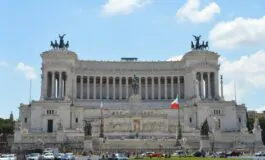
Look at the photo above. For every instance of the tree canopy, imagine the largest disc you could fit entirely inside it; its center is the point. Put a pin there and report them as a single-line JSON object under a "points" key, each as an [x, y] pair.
{"points": [[6, 126]]}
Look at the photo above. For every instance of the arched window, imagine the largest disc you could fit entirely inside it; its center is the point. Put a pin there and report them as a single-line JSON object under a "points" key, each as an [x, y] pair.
{"points": [[190, 120], [76, 120]]}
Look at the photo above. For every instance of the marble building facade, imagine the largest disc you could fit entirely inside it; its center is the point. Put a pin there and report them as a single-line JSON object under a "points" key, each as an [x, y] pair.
{"points": [[73, 90]]}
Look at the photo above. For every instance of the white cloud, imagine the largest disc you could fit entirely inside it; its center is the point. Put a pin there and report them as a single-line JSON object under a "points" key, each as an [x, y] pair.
{"points": [[241, 31], [175, 58], [248, 72], [28, 71], [123, 6], [260, 109], [191, 11], [3, 64]]}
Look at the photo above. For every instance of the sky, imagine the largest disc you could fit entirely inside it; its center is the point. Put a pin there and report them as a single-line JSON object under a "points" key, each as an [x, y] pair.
{"points": [[147, 29]]}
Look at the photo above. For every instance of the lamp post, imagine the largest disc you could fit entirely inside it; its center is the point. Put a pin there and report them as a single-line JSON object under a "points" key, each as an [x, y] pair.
{"points": [[179, 135]]}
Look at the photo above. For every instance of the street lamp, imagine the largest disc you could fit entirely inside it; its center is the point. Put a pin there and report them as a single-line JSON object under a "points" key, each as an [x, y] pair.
{"points": [[179, 136]]}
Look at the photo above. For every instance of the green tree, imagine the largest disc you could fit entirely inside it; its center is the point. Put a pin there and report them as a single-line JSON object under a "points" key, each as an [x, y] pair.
{"points": [[6, 126]]}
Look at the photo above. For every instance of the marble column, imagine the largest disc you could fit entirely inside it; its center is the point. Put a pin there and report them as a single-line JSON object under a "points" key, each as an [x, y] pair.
{"points": [[81, 87], [114, 88], [159, 88], [179, 91], [60, 84], [94, 88], [44, 85], [172, 87], [88, 86], [127, 87], [202, 85], [165, 87], [216, 84], [120, 88], [53, 84], [209, 85], [107, 82], [140, 86], [153, 87], [146, 87]]}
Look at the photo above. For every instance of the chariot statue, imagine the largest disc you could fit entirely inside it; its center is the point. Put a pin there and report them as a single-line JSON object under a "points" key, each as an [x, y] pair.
{"points": [[61, 45], [197, 45]]}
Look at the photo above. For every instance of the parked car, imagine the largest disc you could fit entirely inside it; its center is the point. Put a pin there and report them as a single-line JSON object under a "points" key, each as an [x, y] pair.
{"points": [[158, 155], [48, 156], [179, 153], [34, 156], [68, 156], [8, 157]]}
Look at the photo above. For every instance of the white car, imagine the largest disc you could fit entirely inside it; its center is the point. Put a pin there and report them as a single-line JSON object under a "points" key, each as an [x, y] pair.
{"points": [[34, 156], [48, 156], [8, 157]]}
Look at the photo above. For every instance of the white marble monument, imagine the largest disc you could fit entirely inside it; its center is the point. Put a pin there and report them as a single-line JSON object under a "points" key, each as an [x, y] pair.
{"points": [[73, 89]]}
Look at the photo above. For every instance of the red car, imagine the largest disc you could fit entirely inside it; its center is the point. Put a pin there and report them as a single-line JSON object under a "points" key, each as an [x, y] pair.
{"points": [[158, 155]]}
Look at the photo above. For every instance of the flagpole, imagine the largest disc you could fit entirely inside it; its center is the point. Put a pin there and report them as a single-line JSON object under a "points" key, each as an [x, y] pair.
{"points": [[30, 91], [179, 135], [235, 90], [101, 134]]}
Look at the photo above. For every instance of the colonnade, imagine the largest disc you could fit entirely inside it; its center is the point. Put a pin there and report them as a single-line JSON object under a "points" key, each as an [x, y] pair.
{"points": [[208, 84], [56, 84], [119, 88]]}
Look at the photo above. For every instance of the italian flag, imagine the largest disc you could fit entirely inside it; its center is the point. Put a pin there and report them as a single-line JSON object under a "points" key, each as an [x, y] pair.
{"points": [[175, 103]]}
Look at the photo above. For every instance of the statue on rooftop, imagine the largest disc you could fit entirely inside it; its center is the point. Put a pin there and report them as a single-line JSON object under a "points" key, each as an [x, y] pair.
{"points": [[61, 44], [199, 46]]}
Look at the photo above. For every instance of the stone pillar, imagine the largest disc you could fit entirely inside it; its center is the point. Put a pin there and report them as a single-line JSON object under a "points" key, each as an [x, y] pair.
{"points": [[94, 88], [127, 87], [100, 86], [60, 84], [146, 88], [179, 91], [172, 87], [222, 89], [88, 86], [120, 88], [107, 81], [159, 88], [209, 85], [165, 87], [216, 84], [153, 87], [53, 85], [114, 88], [44, 85], [81, 87], [202, 85]]}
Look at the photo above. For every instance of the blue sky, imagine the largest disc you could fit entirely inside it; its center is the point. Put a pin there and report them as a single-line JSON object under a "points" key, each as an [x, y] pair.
{"points": [[147, 29]]}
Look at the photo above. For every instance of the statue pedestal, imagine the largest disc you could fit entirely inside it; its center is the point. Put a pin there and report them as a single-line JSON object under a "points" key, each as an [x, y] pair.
{"points": [[204, 144], [60, 136], [135, 99], [87, 137], [88, 145]]}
